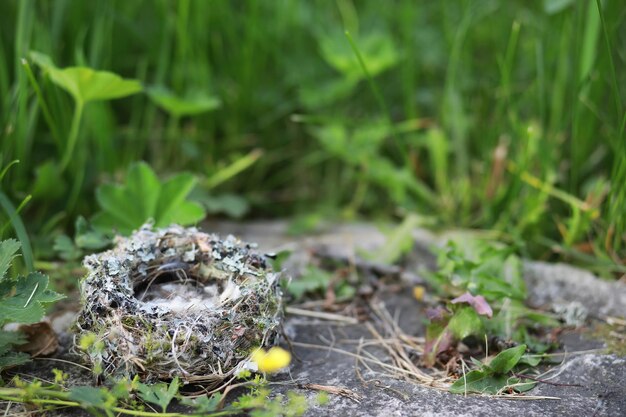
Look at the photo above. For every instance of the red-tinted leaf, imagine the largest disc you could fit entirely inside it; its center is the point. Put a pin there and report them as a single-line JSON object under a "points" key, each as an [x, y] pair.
{"points": [[477, 302], [437, 313]]}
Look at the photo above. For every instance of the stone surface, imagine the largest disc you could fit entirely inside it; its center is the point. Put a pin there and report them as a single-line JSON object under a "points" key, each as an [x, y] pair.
{"points": [[550, 284], [600, 378]]}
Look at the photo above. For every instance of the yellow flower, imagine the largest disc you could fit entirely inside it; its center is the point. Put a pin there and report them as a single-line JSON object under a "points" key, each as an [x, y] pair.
{"points": [[271, 361], [418, 292]]}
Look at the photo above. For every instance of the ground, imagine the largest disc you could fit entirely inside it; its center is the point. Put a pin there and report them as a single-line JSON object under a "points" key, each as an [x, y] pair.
{"points": [[589, 381]]}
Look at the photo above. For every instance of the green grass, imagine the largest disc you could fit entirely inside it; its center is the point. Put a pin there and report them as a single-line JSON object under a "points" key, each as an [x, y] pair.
{"points": [[500, 115]]}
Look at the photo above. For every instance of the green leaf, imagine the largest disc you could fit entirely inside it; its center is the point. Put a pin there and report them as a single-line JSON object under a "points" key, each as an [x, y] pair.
{"points": [[86, 84], [94, 399], [482, 382], [118, 209], [530, 360], [8, 339], [160, 394], [183, 106], [204, 404], [8, 250], [88, 238], [30, 298], [230, 204], [322, 93], [313, 279], [49, 183], [66, 248], [376, 48], [10, 359], [465, 322], [172, 203], [143, 197], [507, 359], [438, 339], [144, 187]]}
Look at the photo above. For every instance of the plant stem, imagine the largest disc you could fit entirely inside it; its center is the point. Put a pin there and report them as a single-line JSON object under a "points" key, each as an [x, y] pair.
{"points": [[42, 103], [18, 395], [73, 136]]}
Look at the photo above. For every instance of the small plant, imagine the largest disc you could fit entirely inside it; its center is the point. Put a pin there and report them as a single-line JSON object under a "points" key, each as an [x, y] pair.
{"points": [[22, 300], [86, 239], [85, 85], [485, 294], [144, 197], [131, 397], [494, 377]]}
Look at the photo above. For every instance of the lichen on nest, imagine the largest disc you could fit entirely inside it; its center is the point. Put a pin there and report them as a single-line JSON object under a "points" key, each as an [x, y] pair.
{"points": [[177, 302]]}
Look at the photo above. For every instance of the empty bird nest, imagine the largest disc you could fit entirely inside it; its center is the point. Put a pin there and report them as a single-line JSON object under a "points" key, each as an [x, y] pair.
{"points": [[177, 302]]}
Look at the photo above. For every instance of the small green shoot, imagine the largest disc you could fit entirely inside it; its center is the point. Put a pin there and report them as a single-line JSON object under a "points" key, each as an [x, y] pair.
{"points": [[486, 281]]}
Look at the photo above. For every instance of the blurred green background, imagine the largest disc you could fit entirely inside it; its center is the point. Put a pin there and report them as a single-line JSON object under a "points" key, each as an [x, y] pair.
{"points": [[505, 116]]}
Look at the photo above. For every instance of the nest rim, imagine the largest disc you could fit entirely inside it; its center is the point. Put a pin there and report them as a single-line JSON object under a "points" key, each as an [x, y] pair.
{"points": [[207, 345]]}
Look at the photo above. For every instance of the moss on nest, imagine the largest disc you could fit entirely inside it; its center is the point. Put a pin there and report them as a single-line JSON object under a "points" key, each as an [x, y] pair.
{"points": [[177, 302]]}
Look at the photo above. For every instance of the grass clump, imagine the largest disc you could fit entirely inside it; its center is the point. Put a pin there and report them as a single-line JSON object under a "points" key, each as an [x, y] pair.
{"points": [[499, 122]]}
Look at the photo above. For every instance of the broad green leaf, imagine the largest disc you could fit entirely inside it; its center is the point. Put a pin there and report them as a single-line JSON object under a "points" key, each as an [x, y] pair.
{"points": [[30, 298], [8, 250], [86, 84], [188, 212], [118, 210], [143, 189], [481, 381], [173, 193], [160, 394], [143, 197], [465, 322], [507, 359], [183, 106]]}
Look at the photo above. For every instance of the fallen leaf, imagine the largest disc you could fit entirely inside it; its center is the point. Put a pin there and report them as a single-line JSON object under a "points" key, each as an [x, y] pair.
{"points": [[41, 340]]}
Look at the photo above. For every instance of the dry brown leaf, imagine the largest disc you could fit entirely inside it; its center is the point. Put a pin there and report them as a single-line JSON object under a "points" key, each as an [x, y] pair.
{"points": [[41, 340]]}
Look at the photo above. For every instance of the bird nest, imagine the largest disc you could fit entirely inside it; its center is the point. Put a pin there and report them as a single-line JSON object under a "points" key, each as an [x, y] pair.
{"points": [[177, 302]]}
